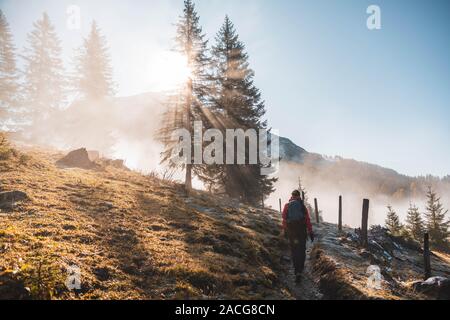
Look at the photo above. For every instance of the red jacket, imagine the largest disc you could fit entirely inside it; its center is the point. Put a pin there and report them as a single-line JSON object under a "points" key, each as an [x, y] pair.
{"points": [[307, 218]]}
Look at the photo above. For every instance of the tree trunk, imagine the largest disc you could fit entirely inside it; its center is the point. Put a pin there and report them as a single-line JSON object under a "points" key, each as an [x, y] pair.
{"points": [[188, 179]]}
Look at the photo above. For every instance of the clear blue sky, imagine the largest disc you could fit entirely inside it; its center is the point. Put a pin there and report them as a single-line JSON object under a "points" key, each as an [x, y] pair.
{"points": [[330, 84]]}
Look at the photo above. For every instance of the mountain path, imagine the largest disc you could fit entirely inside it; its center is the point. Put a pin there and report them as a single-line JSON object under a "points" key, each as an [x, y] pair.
{"points": [[305, 290]]}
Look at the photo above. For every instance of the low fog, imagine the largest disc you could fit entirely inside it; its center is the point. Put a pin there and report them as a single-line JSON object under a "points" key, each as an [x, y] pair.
{"points": [[125, 128], [119, 128], [354, 181]]}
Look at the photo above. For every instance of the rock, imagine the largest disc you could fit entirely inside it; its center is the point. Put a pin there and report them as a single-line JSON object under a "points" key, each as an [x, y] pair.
{"points": [[118, 164], [107, 205], [365, 254], [102, 273], [12, 288], [399, 255], [76, 159], [93, 155], [352, 236], [438, 287], [8, 199]]}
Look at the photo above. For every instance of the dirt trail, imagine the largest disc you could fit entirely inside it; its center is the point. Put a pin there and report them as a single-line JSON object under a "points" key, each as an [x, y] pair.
{"points": [[307, 289]]}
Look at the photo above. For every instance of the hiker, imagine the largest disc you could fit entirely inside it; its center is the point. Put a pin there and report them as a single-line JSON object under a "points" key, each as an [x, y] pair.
{"points": [[297, 226]]}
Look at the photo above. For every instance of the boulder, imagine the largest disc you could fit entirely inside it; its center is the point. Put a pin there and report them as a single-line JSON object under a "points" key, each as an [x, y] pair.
{"points": [[118, 163], [438, 287], [93, 155], [76, 159], [12, 288], [8, 199]]}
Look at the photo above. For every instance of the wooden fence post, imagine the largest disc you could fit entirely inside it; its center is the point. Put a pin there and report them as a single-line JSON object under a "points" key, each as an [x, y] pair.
{"points": [[340, 214], [365, 223], [426, 255], [316, 207], [280, 206]]}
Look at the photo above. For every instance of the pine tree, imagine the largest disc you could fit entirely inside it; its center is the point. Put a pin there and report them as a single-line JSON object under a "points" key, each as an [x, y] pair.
{"points": [[189, 105], [44, 72], [414, 223], [393, 222], [9, 74], [238, 104], [302, 189], [93, 79], [435, 218]]}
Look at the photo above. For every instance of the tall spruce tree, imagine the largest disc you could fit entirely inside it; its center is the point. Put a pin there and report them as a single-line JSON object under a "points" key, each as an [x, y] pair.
{"points": [[414, 223], [238, 104], [435, 219], [93, 79], [44, 85], [189, 104], [393, 222], [9, 74]]}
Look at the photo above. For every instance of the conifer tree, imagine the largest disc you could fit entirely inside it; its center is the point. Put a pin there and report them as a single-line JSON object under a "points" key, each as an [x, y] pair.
{"points": [[9, 74], [237, 104], [44, 72], [188, 105], [435, 219], [414, 223], [393, 222], [93, 79]]}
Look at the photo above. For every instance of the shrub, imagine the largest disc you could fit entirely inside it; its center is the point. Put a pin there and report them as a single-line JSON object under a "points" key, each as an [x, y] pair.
{"points": [[43, 276], [5, 149]]}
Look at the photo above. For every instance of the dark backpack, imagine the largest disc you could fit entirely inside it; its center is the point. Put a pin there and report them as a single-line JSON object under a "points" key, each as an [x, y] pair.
{"points": [[296, 211]]}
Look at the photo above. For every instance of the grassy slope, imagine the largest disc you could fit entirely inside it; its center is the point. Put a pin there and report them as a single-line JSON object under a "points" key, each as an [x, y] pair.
{"points": [[136, 237], [341, 268], [132, 236]]}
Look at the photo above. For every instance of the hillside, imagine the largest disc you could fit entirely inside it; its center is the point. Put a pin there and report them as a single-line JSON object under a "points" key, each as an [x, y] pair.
{"points": [[348, 172], [138, 237], [133, 237], [113, 136]]}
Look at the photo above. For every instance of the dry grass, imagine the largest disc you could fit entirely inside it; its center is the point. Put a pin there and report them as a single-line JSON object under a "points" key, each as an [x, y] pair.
{"points": [[342, 272], [335, 283], [133, 237]]}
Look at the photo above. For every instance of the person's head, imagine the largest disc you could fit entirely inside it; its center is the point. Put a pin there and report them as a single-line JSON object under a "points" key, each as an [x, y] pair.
{"points": [[296, 194]]}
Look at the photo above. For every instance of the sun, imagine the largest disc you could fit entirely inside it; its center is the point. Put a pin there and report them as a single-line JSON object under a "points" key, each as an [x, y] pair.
{"points": [[169, 70]]}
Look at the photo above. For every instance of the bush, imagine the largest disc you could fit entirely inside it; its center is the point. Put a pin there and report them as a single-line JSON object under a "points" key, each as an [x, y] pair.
{"points": [[24, 159], [6, 151], [43, 276]]}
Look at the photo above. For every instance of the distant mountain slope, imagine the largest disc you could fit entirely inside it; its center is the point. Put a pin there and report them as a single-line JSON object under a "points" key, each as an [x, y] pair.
{"points": [[326, 178]]}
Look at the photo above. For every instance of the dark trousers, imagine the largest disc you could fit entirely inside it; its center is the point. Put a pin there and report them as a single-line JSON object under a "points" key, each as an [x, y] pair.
{"points": [[297, 239]]}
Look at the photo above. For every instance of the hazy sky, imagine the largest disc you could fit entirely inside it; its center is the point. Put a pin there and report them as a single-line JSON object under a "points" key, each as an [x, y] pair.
{"points": [[331, 85]]}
